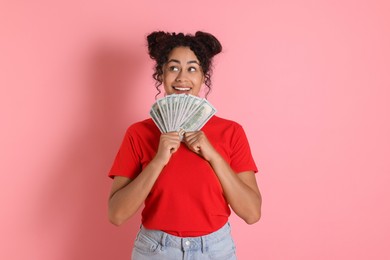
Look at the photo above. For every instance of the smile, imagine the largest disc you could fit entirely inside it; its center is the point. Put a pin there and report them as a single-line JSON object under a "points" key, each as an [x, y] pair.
{"points": [[181, 88]]}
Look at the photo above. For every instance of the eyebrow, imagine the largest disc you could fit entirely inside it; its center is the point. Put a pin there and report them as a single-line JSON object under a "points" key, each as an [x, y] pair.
{"points": [[189, 62]]}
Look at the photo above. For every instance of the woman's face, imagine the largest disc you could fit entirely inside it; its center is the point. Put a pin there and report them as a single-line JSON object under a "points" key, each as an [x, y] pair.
{"points": [[182, 73]]}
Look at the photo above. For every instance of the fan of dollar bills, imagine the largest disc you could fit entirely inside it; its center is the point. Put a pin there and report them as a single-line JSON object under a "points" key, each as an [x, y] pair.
{"points": [[181, 113]]}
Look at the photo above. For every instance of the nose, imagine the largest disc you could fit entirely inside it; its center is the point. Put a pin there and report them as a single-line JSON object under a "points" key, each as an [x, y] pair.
{"points": [[181, 76]]}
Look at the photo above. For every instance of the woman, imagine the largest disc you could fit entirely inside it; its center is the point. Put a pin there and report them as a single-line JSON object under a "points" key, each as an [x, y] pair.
{"points": [[187, 186]]}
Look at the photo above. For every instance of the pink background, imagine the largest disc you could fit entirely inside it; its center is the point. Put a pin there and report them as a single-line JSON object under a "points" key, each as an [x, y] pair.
{"points": [[308, 80]]}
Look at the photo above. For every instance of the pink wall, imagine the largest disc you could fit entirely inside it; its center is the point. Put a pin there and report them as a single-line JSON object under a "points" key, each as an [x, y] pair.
{"points": [[309, 80]]}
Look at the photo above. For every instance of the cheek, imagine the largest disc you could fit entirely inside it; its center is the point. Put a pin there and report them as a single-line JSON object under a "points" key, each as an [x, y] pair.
{"points": [[200, 80], [167, 79]]}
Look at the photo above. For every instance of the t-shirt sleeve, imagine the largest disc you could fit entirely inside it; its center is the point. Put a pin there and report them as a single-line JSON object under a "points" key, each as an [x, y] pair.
{"points": [[127, 162], [241, 156]]}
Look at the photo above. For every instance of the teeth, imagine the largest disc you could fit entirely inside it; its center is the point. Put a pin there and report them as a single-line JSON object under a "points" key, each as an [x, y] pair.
{"points": [[182, 89]]}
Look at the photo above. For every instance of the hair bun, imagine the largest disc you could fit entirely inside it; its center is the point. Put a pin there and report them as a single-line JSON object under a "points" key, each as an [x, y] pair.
{"points": [[154, 41], [210, 42]]}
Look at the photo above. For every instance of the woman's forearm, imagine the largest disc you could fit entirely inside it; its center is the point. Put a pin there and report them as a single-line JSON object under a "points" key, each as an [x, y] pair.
{"points": [[126, 200], [127, 196], [240, 190]]}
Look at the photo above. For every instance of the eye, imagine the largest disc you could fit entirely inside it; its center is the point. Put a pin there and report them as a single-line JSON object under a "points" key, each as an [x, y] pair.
{"points": [[173, 68], [192, 69]]}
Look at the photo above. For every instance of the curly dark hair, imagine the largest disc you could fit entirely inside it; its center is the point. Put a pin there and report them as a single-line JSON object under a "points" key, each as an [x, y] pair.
{"points": [[204, 45]]}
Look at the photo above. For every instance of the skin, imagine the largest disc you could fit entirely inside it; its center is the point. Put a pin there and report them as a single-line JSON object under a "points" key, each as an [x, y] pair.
{"points": [[183, 74], [182, 71]]}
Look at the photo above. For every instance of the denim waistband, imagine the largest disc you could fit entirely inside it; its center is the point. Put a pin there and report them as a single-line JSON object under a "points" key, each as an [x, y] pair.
{"points": [[187, 243]]}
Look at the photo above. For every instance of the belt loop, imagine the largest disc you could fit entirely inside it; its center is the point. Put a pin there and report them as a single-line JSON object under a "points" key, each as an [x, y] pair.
{"points": [[163, 240], [139, 231], [204, 246]]}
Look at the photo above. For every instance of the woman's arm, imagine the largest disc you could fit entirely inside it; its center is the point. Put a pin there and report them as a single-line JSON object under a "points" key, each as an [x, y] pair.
{"points": [[128, 195], [240, 190]]}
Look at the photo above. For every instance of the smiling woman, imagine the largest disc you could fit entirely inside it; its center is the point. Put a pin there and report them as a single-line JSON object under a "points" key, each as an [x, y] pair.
{"points": [[187, 186], [182, 73], [165, 48]]}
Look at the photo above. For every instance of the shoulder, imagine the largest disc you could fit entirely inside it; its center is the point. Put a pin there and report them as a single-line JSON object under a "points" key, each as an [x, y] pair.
{"points": [[219, 122], [146, 123], [143, 127], [218, 127]]}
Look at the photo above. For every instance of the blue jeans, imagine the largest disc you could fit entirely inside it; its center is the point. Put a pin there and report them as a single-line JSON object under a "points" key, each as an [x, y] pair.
{"points": [[158, 245]]}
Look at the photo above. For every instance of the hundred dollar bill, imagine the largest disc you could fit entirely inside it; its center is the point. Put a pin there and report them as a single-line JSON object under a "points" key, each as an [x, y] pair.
{"points": [[157, 119], [163, 107], [199, 118], [181, 112]]}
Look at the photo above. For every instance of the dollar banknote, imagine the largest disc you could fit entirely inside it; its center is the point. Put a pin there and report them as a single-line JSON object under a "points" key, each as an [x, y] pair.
{"points": [[181, 113]]}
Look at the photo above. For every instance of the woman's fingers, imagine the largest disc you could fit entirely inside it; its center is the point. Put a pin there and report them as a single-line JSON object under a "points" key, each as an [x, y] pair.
{"points": [[171, 141], [191, 137], [199, 144], [194, 140], [169, 144]]}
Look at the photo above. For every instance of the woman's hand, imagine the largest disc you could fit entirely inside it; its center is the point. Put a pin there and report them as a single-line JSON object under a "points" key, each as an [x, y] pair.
{"points": [[199, 144], [169, 144]]}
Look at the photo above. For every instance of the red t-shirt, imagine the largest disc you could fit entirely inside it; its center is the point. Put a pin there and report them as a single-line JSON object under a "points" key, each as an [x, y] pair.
{"points": [[187, 199]]}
